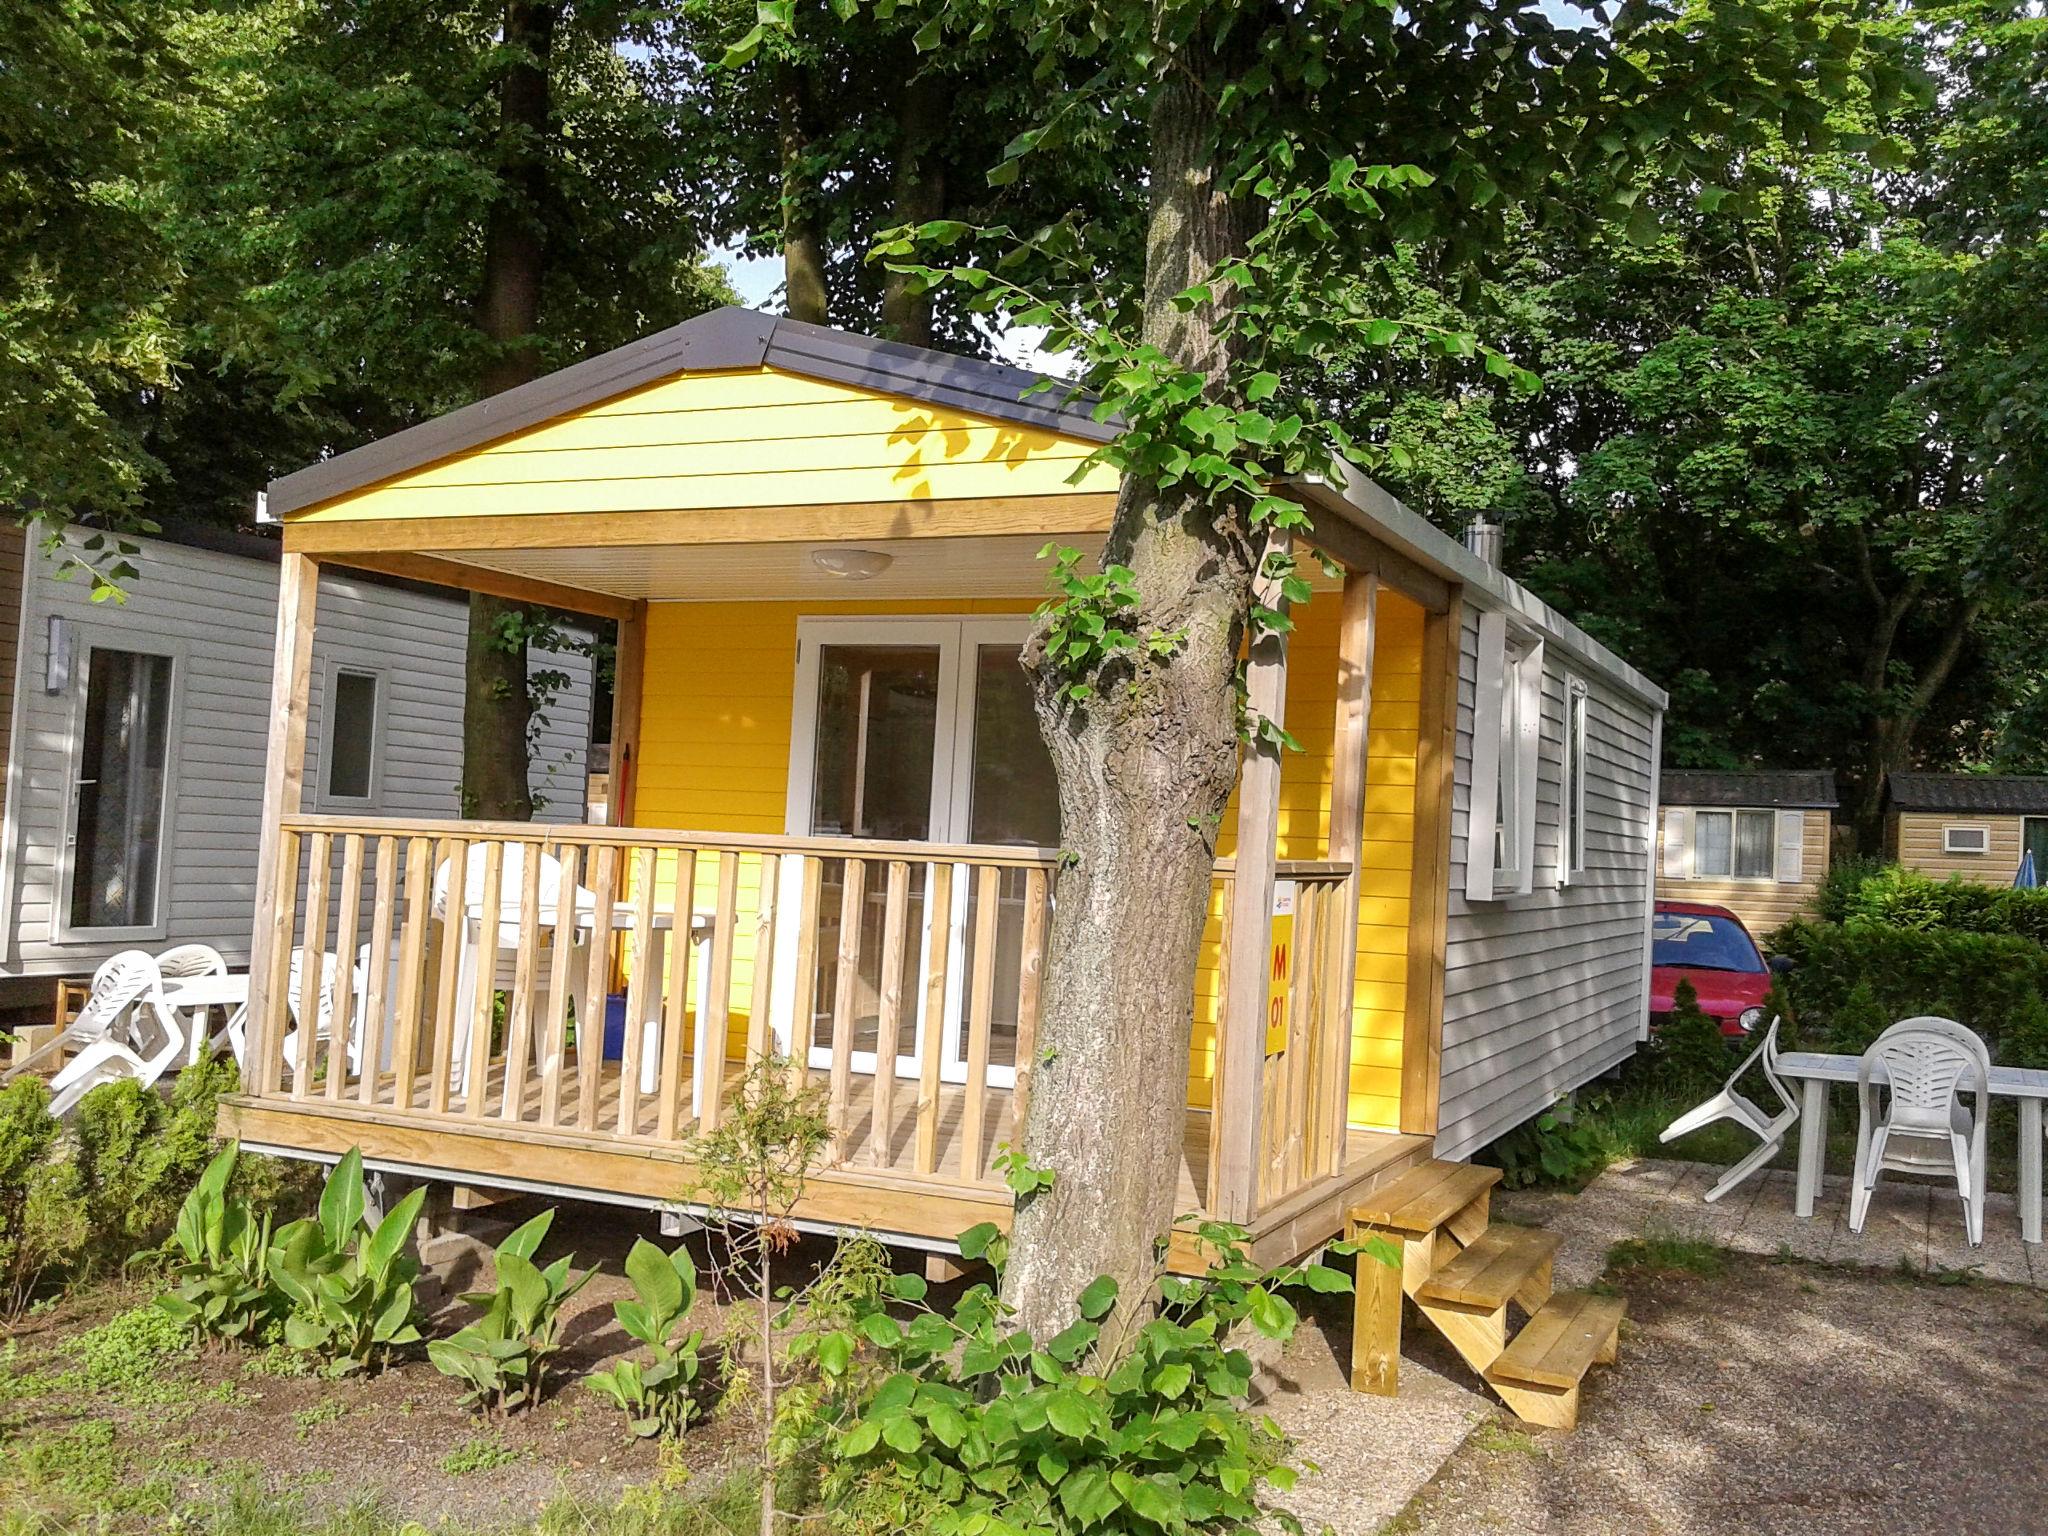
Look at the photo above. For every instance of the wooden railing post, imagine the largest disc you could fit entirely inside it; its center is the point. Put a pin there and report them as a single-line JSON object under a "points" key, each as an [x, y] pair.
{"points": [[283, 782], [1241, 1026]]}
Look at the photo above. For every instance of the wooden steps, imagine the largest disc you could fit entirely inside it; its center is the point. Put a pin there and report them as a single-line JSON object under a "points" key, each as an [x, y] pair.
{"points": [[1538, 1375], [1507, 1264], [1463, 1274]]}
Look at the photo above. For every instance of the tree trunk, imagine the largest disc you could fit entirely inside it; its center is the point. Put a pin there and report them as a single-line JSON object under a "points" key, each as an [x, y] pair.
{"points": [[919, 194], [1888, 742], [803, 248], [1144, 769], [496, 707]]}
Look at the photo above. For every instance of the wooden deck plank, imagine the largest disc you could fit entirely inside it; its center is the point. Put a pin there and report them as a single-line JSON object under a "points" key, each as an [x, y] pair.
{"points": [[1487, 1275], [1426, 1197]]}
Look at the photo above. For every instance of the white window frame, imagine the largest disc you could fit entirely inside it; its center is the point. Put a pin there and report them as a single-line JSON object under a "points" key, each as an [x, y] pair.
{"points": [[1949, 844], [1680, 855], [62, 929], [1573, 763], [331, 683], [956, 638], [1507, 733]]}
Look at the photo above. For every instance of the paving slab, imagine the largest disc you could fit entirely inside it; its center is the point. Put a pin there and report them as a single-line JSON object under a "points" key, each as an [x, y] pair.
{"points": [[1912, 1223]]}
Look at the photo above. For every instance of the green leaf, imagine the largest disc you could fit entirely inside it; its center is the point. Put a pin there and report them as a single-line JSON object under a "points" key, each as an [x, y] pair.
{"points": [[974, 1242], [901, 1433], [1067, 1411], [861, 1439], [1098, 1298], [1172, 1380]]}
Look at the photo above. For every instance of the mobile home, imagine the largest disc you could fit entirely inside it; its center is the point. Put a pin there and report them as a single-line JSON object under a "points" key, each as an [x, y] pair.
{"points": [[1756, 842], [834, 833], [1974, 826]]}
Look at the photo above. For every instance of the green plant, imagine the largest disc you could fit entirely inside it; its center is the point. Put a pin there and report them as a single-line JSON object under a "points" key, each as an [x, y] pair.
{"points": [[965, 1423], [124, 1357], [1557, 1147], [757, 1161], [655, 1398], [42, 1219], [222, 1287], [1667, 1252], [1691, 1057], [1982, 979], [503, 1355], [348, 1288], [478, 1455], [138, 1155]]}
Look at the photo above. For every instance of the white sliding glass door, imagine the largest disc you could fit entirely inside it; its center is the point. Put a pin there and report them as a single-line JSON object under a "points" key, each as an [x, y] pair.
{"points": [[919, 730]]}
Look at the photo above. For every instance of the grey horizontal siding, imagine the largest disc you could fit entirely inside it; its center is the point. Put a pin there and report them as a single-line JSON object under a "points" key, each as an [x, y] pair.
{"points": [[216, 615], [1544, 992]]}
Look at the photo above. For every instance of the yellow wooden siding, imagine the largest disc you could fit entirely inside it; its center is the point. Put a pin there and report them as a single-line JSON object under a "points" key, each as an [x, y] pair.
{"points": [[1379, 997], [755, 437], [1919, 847], [1763, 905], [715, 751]]}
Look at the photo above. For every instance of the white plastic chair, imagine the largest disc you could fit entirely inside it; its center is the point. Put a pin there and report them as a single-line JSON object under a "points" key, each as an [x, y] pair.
{"points": [[122, 981], [467, 930], [1924, 1127], [1731, 1104], [130, 1032], [323, 1006], [189, 960]]}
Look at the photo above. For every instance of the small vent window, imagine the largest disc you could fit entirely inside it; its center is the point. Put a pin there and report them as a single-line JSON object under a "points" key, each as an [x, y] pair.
{"points": [[1965, 839]]}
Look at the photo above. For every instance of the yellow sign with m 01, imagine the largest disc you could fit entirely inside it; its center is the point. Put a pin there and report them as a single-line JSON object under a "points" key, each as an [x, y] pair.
{"points": [[1279, 966]]}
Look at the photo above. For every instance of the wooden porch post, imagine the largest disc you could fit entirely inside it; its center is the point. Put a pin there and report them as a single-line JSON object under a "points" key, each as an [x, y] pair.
{"points": [[283, 785], [1348, 758], [1430, 892], [1241, 1025], [629, 686]]}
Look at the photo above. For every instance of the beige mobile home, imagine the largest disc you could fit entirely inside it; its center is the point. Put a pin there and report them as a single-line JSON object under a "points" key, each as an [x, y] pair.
{"points": [[1754, 842], [1976, 826]]}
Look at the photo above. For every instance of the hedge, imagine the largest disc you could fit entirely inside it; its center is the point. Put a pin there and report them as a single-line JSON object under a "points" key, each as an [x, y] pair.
{"points": [[1850, 980], [1900, 898]]}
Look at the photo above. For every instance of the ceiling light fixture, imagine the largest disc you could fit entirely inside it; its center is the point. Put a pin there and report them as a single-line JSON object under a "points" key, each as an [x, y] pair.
{"points": [[852, 564]]}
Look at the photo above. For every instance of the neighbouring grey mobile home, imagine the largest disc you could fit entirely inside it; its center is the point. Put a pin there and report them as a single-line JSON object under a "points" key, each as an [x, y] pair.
{"points": [[134, 736]]}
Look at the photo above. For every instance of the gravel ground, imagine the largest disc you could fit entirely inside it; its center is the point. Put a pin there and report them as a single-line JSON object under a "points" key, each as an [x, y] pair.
{"points": [[1778, 1397]]}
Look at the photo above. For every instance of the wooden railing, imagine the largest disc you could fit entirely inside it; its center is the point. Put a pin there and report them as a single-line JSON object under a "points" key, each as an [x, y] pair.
{"points": [[636, 974]]}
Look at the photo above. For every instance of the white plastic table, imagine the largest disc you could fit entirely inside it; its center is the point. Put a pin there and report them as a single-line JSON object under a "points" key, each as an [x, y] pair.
{"points": [[193, 997], [1818, 1071]]}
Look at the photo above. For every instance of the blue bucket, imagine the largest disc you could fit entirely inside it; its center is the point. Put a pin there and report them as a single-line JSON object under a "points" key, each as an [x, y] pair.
{"points": [[615, 1027]]}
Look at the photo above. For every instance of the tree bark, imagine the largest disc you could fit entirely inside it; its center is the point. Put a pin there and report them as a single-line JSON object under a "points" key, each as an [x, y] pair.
{"points": [[1888, 747], [919, 195], [803, 247], [1144, 769], [496, 707]]}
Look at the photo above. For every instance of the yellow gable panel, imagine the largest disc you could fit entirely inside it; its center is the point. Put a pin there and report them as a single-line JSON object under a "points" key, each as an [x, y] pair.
{"points": [[749, 437]]}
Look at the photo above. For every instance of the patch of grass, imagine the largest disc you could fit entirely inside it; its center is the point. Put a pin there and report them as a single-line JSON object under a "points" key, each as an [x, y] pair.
{"points": [[327, 1412], [124, 1358], [480, 1454], [1666, 1253], [1501, 1438], [278, 1361]]}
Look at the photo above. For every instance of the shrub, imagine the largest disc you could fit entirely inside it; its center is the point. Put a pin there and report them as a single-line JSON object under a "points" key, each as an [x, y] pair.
{"points": [[503, 1355], [966, 1423], [1870, 892], [137, 1156], [348, 1289], [655, 1398], [223, 1288], [42, 1219], [1557, 1147], [1842, 970], [1691, 1057]]}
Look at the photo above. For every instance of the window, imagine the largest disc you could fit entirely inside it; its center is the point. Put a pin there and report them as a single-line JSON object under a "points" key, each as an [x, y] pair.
{"points": [[352, 735], [1701, 941], [121, 779], [1965, 839], [1507, 725], [1571, 842], [1703, 843]]}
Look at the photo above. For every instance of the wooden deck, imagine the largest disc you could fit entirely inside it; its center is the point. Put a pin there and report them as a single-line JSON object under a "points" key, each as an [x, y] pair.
{"points": [[869, 1184]]}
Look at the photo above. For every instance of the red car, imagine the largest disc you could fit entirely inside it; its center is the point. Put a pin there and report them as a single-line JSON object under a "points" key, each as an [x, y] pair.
{"points": [[1709, 947]]}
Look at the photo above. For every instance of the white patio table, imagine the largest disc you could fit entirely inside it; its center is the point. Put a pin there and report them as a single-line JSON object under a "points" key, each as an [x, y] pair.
{"points": [[1818, 1071], [193, 997]]}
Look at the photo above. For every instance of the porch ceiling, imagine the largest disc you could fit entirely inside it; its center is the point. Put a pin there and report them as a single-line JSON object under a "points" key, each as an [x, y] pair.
{"points": [[994, 566]]}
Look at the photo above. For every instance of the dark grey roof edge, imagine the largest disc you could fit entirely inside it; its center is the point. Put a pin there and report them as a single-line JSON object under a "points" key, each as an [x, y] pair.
{"points": [[722, 338], [1982, 794], [1790, 789]]}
